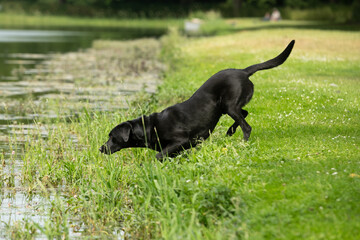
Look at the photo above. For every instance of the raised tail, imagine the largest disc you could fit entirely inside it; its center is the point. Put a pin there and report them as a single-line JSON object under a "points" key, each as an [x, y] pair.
{"points": [[271, 63]]}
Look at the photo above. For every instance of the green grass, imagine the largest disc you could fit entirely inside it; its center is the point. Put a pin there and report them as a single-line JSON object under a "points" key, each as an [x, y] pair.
{"points": [[48, 21], [297, 177], [333, 13]]}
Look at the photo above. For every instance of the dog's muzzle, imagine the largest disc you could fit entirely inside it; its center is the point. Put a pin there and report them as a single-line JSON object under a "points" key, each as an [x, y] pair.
{"points": [[104, 149]]}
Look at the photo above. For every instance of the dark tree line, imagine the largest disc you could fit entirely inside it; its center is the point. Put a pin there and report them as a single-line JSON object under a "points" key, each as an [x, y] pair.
{"points": [[191, 3], [168, 8]]}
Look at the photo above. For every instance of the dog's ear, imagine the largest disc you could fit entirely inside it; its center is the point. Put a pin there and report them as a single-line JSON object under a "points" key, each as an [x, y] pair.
{"points": [[122, 132], [139, 133], [138, 129]]}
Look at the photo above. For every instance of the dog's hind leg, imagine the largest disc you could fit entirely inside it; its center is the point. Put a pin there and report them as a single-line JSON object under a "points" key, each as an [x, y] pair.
{"points": [[239, 119], [233, 127]]}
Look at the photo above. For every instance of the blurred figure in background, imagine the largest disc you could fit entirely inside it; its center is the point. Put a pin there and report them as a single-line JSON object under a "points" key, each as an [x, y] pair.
{"points": [[267, 16], [275, 15]]}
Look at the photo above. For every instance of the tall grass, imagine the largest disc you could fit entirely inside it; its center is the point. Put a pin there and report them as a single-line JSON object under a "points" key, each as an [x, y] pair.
{"points": [[297, 177]]}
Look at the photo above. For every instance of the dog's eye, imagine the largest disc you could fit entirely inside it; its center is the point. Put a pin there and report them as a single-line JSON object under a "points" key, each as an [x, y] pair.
{"points": [[113, 139]]}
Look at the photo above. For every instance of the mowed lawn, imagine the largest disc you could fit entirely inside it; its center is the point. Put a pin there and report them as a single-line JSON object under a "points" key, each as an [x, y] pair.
{"points": [[298, 177]]}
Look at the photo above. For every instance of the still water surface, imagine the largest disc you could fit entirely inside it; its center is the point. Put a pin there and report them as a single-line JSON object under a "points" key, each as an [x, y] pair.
{"points": [[24, 49]]}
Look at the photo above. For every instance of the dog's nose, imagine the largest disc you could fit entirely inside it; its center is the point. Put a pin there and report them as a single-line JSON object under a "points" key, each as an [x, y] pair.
{"points": [[104, 149], [101, 149]]}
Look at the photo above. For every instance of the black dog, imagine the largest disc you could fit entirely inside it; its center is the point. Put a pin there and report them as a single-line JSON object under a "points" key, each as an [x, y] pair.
{"points": [[182, 125]]}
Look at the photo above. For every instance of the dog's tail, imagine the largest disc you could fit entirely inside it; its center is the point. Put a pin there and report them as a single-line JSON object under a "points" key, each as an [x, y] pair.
{"points": [[271, 63]]}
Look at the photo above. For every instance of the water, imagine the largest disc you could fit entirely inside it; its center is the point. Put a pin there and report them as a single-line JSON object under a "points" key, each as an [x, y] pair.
{"points": [[31, 73], [21, 51]]}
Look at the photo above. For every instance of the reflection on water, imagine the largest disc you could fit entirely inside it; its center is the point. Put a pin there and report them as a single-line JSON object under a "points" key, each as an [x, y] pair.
{"points": [[16, 36], [33, 76], [28, 47]]}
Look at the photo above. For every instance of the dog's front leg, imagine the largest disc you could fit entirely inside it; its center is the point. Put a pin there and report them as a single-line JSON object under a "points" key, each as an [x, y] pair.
{"points": [[170, 150]]}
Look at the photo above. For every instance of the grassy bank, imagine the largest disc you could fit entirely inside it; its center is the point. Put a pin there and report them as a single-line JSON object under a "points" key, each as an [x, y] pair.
{"points": [[47, 21], [297, 178]]}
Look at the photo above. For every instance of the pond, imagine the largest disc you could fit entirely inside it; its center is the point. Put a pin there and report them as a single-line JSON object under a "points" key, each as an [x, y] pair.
{"points": [[32, 71], [24, 49]]}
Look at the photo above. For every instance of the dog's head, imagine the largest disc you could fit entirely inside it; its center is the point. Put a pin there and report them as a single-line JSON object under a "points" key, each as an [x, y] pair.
{"points": [[118, 139]]}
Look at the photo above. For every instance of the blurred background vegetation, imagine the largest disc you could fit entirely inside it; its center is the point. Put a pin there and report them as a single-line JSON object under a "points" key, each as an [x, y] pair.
{"points": [[330, 10]]}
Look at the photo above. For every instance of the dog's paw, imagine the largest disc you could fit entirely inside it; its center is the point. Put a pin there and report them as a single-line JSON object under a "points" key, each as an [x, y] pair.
{"points": [[160, 156], [230, 132], [247, 136]]}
